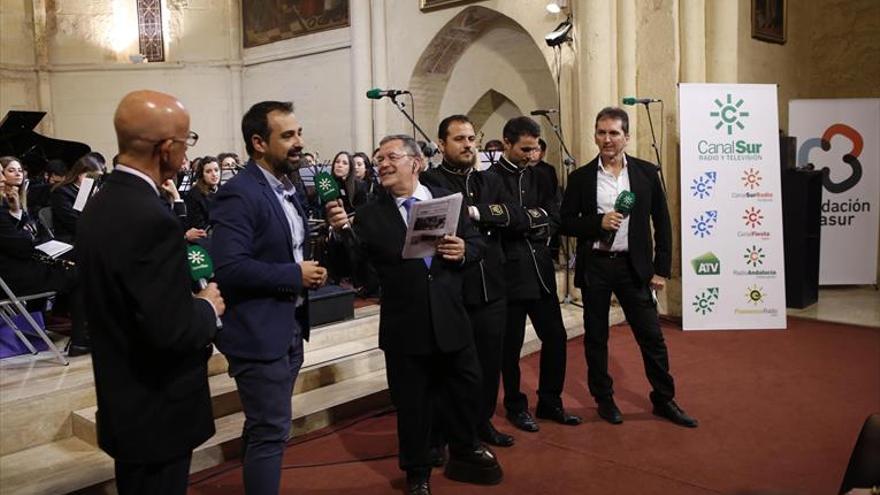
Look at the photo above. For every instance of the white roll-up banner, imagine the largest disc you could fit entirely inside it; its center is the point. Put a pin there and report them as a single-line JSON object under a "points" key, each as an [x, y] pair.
{"points": [[733, 265]]}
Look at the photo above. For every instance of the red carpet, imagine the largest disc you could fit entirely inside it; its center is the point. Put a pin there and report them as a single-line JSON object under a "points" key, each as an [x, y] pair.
{"points": [[779, 413]]}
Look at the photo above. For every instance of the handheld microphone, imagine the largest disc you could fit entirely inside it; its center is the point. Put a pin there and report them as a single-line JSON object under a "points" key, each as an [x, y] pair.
{"points": [[378, 94], [326, 187], [201, 268], [328, 190], [544, 112], [632, 100], [623, 205]]}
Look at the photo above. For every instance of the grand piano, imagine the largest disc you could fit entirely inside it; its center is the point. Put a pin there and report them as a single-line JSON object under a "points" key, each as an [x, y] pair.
{"points": [[18, 139]]}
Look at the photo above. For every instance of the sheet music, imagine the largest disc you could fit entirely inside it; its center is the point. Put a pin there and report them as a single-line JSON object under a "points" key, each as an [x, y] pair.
{"points": [[85, 191], [54, 248]]}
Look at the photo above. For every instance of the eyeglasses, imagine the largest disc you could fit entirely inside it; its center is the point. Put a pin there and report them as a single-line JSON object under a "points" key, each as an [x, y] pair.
{"points": [[190, 140], [392, 158]]}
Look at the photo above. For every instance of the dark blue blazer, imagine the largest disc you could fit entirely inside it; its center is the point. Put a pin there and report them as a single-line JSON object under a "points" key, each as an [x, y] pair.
{"points": [[255, 269]]}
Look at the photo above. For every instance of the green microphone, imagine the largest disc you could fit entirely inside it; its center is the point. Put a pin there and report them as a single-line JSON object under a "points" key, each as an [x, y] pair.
{"points": [[623, 205], [201, 268], [326, 187], [328, 190]]}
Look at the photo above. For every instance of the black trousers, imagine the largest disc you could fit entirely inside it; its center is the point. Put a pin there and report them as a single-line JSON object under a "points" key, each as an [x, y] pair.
{"points": [[448, 383], [546, 317], [488, 322], [604, 276], [167, 478]]}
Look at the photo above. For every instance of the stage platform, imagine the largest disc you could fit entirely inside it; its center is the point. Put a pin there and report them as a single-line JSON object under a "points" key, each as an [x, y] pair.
{"points": [[47, 411]]}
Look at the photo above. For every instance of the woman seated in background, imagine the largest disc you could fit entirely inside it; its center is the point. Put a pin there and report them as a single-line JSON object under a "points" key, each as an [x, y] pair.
{"points": [[64, 194], [230, 164], [27, 270], [352, 193], [199, 198], [14, 200], [366, 175]]}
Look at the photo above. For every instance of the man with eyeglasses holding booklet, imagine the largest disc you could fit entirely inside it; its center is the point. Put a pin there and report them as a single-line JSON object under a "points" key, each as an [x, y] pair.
{"points": [[424, 328]]}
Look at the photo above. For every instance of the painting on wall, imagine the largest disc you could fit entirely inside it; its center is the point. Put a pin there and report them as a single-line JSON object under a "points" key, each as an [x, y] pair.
{"points": [[267, 21], [427, 5], [768, 20]]}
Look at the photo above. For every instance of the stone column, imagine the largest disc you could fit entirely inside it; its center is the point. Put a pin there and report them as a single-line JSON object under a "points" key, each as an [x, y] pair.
{"points": [[235, 78], [361, 77], [721, 41], [626, 61], [596, 68], [692, 33], [41, 63], [380, 69]]}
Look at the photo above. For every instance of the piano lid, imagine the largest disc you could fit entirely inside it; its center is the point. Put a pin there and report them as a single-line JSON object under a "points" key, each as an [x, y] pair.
{"points": [[18, 139]]}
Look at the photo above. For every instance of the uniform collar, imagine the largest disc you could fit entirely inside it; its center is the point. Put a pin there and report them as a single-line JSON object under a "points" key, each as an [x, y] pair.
{"points": [[445, 167], [510, 167]]}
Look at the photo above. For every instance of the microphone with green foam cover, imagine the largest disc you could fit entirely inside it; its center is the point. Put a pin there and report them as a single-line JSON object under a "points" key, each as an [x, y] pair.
{"points": [[328, 190], [325, 185], [624, 204], [201, 268]]}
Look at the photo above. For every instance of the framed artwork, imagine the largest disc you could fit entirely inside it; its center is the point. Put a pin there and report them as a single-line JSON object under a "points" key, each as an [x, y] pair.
{"points": [[427, 5], [768, 20], [267, 21]]}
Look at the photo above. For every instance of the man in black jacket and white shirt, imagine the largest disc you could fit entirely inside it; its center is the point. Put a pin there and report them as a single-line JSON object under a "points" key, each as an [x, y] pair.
{"points": [[615, 254]]}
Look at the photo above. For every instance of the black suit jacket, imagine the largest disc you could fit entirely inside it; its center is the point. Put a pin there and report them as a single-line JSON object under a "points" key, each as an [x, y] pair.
{"points": [[149, 335], [421, 310], [198, 206], [580, 218]]}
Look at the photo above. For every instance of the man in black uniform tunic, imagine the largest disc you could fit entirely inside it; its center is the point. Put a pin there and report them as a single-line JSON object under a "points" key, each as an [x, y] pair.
{"points": [[484, 292], [527, 215]]}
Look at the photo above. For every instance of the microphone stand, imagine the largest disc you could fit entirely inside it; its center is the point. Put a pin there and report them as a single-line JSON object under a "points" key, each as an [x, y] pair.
{"points": [[568, 162], [431, 147], [654, 144]]}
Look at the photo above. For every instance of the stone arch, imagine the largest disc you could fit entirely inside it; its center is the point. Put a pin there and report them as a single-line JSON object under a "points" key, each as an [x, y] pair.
{"points": [[488, 110], [479, 57]]}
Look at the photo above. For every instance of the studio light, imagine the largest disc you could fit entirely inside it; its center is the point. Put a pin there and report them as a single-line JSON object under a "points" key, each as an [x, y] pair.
{"points": [[559, 35]]}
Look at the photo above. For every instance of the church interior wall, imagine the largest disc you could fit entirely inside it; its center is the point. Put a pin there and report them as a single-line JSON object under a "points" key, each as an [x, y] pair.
{"points": [[70, 58], [18, 81], [501, 61], [319, 85]]}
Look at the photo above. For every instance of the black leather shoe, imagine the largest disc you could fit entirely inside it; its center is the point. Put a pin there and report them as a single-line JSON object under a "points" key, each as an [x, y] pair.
{"points": [[478, 466], [559, 415], [438, 456], [490, 435], [523, 420], [418, 486], [74, 350], [672, 412], [609, 412]]}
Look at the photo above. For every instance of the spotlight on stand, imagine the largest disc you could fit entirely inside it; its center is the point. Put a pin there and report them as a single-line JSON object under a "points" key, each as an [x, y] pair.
{"points": [[556, 6], [559, 35]]}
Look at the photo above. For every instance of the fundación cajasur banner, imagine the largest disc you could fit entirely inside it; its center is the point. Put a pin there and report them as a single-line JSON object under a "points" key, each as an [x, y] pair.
{"points": [[843, 136], [733, 266]]}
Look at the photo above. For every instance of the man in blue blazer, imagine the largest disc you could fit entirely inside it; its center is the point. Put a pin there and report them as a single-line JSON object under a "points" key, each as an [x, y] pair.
{"points": [[260, 249]]}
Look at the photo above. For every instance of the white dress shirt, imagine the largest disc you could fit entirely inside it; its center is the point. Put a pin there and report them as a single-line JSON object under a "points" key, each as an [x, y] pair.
{"points": [[608, 187], [421, 193]]}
